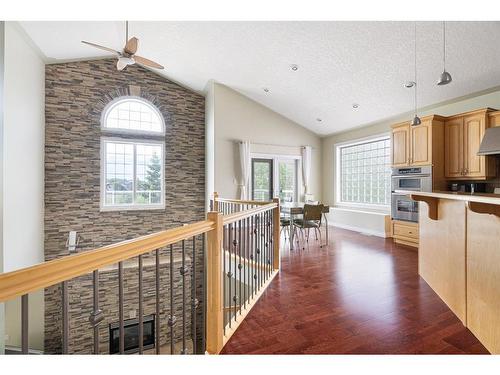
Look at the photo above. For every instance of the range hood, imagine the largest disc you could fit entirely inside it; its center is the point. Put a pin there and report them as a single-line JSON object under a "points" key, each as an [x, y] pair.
{"points": [[490, 145]]}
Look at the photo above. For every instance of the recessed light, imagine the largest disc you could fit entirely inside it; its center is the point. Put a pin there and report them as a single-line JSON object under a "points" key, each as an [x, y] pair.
{"points": [[294, 67], [319, 120], [265, 89], [409, 84], [355, 105]]}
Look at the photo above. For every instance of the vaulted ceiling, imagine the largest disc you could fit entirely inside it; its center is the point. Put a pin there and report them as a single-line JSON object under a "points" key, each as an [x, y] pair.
{"points": [[339, 63]]}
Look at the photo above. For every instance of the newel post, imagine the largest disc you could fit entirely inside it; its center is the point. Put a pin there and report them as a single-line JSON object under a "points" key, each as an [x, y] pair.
{"points": [[215, 318], [276, 234]]}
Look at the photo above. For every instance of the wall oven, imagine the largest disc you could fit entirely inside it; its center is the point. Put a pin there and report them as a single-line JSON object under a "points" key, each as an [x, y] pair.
{"points": [[413, 179]]}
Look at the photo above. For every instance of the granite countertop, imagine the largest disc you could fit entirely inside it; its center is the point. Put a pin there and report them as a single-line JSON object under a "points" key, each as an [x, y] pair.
{"points": [[456, 195]]}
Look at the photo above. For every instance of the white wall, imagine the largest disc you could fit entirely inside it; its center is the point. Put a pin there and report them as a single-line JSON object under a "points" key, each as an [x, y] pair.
{"points": [[237, 118], [2, 305], [209, 143], [23, 146]]}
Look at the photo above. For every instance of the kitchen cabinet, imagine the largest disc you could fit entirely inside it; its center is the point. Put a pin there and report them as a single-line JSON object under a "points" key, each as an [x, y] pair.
{"points": [[405, 232], [400, 145], [417, 145], [454, 148], [494, 118], [463, 136]]}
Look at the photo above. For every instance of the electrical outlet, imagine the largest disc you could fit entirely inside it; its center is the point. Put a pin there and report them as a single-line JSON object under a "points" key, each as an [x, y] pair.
{"points": [[132, 314], [7, 337]]}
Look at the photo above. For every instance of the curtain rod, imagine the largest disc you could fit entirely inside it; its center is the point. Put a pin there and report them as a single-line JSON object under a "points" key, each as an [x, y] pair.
{"points": [[276, 145]]}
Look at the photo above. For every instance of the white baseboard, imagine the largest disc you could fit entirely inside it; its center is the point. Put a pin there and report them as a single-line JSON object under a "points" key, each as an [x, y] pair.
{"points": [[359, 229]]}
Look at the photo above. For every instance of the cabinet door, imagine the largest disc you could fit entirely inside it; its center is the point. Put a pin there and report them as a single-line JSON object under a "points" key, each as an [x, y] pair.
{"points": [[421, 144], [400, 145], [474, 128], [453, 148]]}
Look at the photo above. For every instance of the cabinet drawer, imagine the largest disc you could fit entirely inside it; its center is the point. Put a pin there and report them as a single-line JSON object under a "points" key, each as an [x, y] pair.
{"points": [[404, 230]]}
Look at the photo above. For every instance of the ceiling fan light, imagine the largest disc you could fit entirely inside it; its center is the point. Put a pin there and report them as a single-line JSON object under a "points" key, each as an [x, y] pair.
{"points": [[123, 61], [416, 121], [444, 79]]}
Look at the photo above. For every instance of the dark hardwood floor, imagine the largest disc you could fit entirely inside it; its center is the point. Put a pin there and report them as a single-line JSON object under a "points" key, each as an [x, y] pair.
{"points": [[360, 295]]}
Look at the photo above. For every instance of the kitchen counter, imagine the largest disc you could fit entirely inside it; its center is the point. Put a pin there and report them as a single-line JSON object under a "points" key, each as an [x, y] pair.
{"points": [[456, 195], [459, 257]]}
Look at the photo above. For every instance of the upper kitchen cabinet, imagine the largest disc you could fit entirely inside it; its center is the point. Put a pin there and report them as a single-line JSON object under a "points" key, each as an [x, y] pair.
{"points": [[416, 145], [463, 135], [494, 118], [400, 145]]}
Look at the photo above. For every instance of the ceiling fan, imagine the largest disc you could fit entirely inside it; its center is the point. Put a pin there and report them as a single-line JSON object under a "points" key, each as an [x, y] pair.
{"points": [[127, 56]]}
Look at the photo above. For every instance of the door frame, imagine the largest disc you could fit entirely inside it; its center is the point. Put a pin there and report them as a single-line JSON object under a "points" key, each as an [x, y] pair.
{"points": [[275, 169]]}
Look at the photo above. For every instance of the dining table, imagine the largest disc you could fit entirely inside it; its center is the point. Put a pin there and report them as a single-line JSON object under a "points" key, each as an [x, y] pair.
{"points": [[294, 209]]}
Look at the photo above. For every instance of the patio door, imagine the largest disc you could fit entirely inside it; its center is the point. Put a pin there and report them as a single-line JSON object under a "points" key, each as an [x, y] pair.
{"points": [[287, 179], [262, 179], [275, 176]]}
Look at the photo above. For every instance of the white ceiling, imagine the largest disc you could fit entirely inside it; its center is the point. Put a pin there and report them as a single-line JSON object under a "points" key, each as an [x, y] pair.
{"points": [[340, 63]]}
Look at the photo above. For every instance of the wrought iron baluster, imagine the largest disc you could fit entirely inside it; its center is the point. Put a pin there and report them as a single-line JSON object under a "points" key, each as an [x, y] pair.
{"points": [[229, 274], [235, 244], [263, 246], [245, 262], [141, 308], [65, 324], [224, 289], [183, 271], [171, 318], [96, 316], [194, 301], [24, 323], [157, 302], [267, 243], [252, 255], [120, 308], [240, 266]]}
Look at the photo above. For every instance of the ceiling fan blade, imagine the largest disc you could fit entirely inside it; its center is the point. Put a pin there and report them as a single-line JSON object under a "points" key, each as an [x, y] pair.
{"points": [[131, 46], [101, 47], [144, 61]]}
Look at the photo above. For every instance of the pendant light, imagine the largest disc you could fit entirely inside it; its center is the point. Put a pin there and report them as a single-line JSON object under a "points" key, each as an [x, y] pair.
{"points": [[416, 120], [445, 77]]}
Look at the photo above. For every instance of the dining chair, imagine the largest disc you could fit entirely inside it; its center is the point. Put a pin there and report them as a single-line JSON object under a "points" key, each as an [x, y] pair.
{"points": [[312, 217], [284, 225]]}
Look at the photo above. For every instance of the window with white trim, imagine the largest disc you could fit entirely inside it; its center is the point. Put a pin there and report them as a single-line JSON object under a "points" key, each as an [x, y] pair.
{"points": [[132, 170], [364, 172]]}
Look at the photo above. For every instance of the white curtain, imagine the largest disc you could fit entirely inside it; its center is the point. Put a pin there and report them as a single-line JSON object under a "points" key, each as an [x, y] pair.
{"points": [[244, 147], [306, 167]]}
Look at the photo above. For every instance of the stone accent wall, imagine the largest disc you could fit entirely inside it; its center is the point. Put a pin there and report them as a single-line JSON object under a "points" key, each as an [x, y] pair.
{"points": [[76, 94]]}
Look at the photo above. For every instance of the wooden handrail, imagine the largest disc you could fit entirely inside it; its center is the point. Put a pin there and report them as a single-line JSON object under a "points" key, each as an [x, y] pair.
{"points": [[231, 218], [239, 201], [30, 279]]}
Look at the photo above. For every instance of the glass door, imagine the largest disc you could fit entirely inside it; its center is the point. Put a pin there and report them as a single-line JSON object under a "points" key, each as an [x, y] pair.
{"points": [[287, 180], [262, 179]]}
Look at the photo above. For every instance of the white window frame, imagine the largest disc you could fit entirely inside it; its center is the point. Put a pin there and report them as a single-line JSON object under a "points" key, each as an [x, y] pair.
{"points": [[133, 206], [276, 159], [117, 101], [337, 173]]}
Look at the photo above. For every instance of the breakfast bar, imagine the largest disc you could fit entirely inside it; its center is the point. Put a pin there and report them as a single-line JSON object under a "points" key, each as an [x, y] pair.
{"points": [[459, 257]]}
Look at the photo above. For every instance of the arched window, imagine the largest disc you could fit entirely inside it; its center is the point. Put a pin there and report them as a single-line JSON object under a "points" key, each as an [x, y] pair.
{"points": [[132, 175], [133, 114]]}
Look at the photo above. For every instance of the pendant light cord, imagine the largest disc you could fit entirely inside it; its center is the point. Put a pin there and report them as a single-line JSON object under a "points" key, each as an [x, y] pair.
{"points": [[126, 32], [444, 45], [415, 68]]}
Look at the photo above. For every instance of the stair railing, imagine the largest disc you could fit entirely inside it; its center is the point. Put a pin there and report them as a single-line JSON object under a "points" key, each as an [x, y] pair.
{"points": [[237, 276]]}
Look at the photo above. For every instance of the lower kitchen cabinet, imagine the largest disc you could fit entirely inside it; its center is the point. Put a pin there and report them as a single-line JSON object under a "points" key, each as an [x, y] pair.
{"points": [[483, 278], [405, 233]]}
